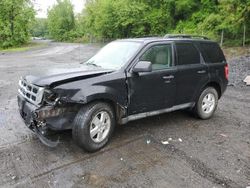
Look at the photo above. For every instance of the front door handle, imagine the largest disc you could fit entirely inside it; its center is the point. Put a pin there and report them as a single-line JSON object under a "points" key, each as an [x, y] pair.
{"points": [[201, 71], [168, 77]]}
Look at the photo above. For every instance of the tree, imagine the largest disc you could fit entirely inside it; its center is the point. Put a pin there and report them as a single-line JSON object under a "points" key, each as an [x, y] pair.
{"points": [[230, 19], [136, 18], [61, 20], [126, 18], [16, 17], [40, 28]]}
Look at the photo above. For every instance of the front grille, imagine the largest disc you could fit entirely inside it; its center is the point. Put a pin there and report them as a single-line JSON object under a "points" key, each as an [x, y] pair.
{"points": [[30, 92]]}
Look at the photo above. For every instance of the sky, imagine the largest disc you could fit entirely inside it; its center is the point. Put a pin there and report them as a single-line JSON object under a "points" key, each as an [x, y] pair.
{"points": [[42, 5]]}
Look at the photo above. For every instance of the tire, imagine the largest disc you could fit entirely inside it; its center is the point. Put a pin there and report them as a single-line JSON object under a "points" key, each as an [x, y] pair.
{"points": [[204, 109], [89, 119]]}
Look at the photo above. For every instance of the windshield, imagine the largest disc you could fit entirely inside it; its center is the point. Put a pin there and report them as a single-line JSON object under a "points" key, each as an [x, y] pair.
{"points": [[114, 55]]}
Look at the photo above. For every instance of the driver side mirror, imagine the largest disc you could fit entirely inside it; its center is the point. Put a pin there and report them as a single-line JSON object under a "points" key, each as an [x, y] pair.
{"points": [[143, 66]]}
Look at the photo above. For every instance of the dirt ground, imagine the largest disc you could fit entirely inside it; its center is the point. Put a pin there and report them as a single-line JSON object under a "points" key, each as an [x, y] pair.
{"points": [[211, 153]]}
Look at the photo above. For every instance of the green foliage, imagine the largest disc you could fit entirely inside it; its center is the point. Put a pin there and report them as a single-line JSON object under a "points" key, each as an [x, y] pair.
{"points": [[39, 27], [61, 20], [125, 18], [136, 18], [111, 19], [16, 17], [214, 17]]}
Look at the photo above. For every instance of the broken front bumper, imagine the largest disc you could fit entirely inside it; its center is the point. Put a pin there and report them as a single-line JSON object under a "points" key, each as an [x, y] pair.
{"points": [[41, 119], [27, 111]]}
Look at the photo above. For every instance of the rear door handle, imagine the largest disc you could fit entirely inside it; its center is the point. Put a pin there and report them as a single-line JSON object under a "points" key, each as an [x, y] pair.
{"points": [[201, 71], [168, 77]]}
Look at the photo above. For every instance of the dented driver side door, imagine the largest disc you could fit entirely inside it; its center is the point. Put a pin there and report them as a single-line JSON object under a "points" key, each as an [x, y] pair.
{"points": [[155, 90]]}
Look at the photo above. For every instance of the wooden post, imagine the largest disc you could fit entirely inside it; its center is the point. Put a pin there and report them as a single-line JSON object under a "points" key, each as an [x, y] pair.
{"points": [[222, 38], [244, 35]]}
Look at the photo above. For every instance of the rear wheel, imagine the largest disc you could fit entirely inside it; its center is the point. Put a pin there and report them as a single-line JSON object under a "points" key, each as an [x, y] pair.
{"points": [[93, 126], [207, 103]]}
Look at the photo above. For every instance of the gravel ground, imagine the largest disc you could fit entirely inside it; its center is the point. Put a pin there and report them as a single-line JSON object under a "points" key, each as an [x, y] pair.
{"points": [[239, 69], [211, 153]]}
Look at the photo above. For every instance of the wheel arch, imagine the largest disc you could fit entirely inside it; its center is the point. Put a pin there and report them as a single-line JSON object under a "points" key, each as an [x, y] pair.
{"points": [[216, 86], [213, 84], [119, 110]]}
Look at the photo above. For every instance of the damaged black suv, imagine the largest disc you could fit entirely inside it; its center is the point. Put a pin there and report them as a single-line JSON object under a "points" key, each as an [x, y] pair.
{"points": [[126, 80]]}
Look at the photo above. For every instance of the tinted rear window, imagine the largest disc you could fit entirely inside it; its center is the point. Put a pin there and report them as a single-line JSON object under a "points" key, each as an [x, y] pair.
{"points": [[187, 54], [212, 52]]}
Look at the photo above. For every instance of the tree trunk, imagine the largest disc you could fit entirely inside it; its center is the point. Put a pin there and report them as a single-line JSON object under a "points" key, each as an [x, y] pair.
{"points": [[12, 21], [222, 38], [244, 35]]}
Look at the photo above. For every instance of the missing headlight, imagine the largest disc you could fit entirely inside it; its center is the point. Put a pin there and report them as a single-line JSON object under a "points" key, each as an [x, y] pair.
{"points": [[50, 97]]}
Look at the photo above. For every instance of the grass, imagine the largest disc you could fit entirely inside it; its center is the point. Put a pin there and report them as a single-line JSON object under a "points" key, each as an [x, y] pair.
{"points": [[24, 47]]}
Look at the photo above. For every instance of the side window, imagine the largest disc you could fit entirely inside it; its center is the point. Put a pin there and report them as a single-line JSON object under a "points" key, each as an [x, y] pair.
{"points": [[160, 56], [187, 54], [211, 52]]}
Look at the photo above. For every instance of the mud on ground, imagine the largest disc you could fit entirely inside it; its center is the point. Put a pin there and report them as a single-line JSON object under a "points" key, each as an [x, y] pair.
{"points": [[211, 153]]}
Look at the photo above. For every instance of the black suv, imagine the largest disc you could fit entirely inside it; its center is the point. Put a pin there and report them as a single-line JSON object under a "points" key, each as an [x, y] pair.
{"points": [[126, 80]]}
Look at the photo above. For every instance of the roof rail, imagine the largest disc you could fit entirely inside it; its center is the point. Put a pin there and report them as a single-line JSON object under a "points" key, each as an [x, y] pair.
{"points": [[185, 36]]}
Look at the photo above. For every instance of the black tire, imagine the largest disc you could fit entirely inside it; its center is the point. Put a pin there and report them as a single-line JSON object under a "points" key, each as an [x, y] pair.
{"points": [[81, 126], [199, 112]]}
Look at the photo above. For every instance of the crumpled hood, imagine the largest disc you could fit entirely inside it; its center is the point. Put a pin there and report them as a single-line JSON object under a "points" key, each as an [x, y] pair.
{"points": [[62, 76]]}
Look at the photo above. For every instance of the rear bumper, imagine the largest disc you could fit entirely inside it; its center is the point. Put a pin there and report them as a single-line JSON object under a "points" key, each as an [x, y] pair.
{"points": [[224, 86]]}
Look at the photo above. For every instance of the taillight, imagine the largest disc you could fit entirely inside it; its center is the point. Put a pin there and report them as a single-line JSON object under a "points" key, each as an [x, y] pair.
{"points": [[226, 71]]}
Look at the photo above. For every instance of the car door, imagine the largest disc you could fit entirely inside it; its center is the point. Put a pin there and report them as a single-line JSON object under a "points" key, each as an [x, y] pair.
{"points": [[150, 91], [192, 73]]}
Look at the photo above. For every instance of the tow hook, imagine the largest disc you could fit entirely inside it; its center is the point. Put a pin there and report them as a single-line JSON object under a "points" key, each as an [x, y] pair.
{"points": [[45, 140]]}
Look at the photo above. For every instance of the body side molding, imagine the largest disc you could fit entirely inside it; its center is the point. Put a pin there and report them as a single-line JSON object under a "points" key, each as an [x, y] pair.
{"points": [[157, 112]]}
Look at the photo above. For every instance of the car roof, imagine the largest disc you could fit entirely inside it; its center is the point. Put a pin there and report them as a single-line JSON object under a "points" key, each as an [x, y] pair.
{"points": [[160, 39]]}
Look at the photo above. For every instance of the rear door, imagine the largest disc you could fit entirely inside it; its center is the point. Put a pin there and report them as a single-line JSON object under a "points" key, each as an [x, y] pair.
{"points": [[216, 62], [192, 72]]}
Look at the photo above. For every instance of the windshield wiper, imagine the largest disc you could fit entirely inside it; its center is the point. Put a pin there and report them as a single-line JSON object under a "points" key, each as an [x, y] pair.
{"points": [[93, 64]]}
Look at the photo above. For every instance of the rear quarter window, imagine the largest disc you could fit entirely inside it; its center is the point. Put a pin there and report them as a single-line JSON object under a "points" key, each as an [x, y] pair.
{"points": [[211, 52], [187, 54]]}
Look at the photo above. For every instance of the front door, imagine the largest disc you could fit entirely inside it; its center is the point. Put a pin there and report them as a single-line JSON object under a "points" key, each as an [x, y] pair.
{"points": [[150, 91]]}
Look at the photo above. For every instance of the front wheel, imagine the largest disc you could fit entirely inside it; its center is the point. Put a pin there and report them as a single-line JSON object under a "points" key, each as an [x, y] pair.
{"points": [[207, 103], [93, 126]]}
